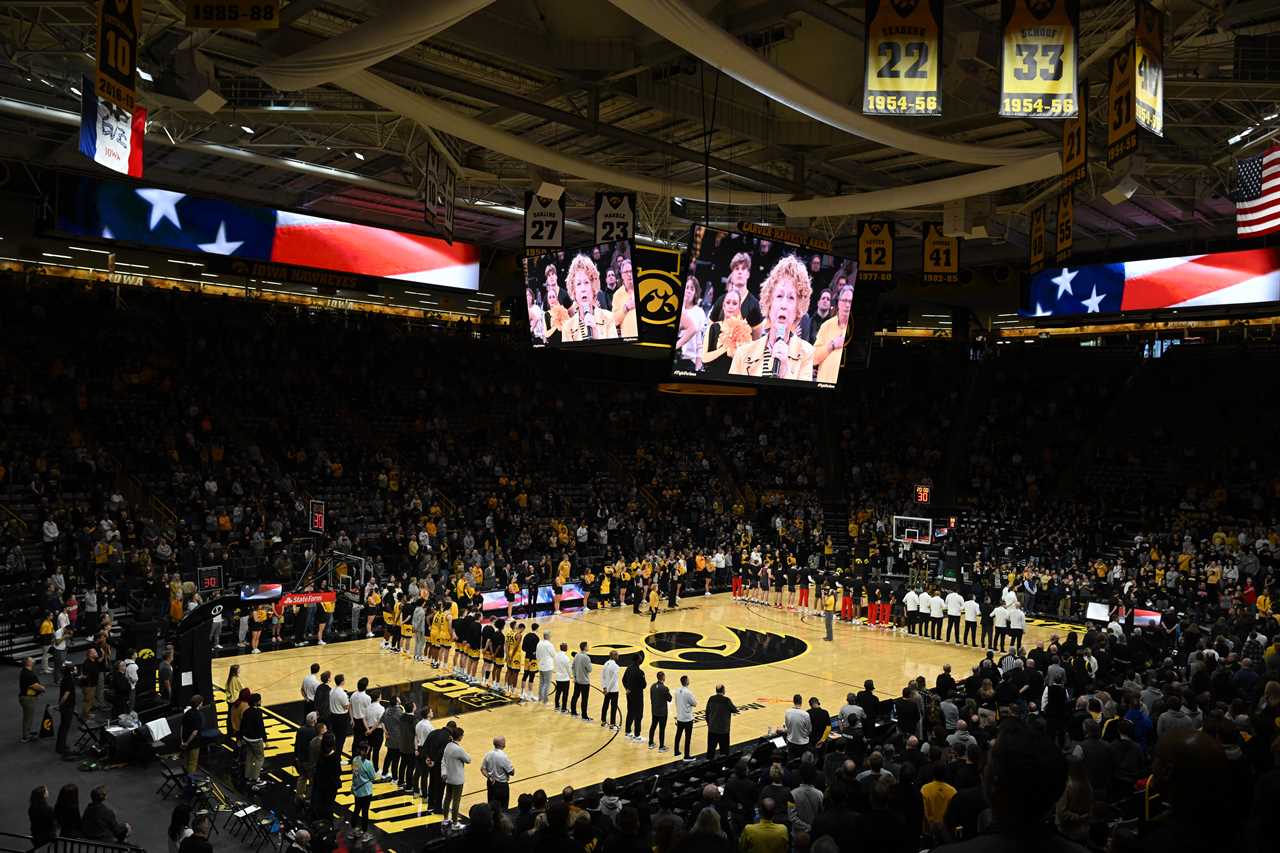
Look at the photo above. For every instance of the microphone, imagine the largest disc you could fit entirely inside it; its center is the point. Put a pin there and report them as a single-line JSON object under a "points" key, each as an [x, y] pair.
{"points": [[776, 334]]}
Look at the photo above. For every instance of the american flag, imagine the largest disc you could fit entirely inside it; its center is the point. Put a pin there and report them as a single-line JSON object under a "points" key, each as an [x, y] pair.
{"points": [[159, 218], [1257, 194], [1191, 281]]}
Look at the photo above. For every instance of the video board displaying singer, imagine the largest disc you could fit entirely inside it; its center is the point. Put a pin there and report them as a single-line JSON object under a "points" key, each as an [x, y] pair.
{"points": [[581, 296], [758, 311]]}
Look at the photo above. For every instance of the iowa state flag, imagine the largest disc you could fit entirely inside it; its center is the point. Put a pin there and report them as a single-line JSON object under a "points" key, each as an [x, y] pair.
{"points": [[108, 135]]}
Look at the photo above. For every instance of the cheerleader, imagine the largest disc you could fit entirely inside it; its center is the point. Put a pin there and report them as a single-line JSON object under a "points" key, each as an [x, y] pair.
{"points": [[512, 592], [557, 584], [260, 616], [588, 583], [372, 598], [724, 336]]}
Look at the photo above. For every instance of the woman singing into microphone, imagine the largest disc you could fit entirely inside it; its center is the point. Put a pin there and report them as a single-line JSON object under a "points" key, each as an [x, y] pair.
{"points": [[780, 352], [587, 321], [828, 349]]}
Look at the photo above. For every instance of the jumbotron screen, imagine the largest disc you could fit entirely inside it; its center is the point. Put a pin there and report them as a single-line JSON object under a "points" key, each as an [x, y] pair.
{"points": [[1214, 281], [157, 218], [763, 312], [581, 296]]}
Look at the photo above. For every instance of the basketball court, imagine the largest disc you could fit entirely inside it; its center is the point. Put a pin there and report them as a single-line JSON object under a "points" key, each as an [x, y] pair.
{"points": [[763, 655]]}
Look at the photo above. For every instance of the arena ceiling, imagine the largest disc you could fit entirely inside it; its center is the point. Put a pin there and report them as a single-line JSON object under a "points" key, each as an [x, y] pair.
{"points": [[585, 79]]}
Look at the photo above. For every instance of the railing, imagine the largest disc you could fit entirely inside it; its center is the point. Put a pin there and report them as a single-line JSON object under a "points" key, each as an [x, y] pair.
{"points": [[22, 525], [14, 843]]}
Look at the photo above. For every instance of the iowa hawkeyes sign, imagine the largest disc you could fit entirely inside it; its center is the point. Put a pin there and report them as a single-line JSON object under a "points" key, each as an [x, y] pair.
{"points": [[728, 648], [658, 289]]}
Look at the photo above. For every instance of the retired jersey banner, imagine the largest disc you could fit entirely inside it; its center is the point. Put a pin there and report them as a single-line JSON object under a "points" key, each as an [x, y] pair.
{"points": [[1036, 234], [1075, 143], [234, 14], [615, 216], [1038, 56], [543, 222], [904, 58], [875, 250], [1148, 108], [1122, 125], [117, 60], [941, 263], [1065, 228]]}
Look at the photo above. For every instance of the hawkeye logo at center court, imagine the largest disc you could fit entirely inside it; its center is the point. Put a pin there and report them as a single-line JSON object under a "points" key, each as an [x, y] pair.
{"points": [[742, 647]]}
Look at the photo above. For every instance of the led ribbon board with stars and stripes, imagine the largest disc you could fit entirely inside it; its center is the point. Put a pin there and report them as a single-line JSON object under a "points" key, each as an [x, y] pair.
{"points": [[1217, 280], [152, 217]]}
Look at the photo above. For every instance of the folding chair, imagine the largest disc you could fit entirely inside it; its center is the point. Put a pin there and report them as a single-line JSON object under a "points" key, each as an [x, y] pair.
{"points": [[240, 822], [175, 778], [91, 735]]}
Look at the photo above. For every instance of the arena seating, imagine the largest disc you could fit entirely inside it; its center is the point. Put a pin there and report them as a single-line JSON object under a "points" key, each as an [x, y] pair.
{"points": [[204, 435]]}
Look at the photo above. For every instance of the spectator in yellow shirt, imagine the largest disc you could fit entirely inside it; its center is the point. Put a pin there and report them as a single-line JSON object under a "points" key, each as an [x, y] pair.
{"points": [[765, 836]]}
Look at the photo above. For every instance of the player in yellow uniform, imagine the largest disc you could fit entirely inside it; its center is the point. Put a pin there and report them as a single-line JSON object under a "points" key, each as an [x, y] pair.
{"points": [[440, 626], [497, 652], [515, 655], [406, 629], [654, 602], [389, 627]]}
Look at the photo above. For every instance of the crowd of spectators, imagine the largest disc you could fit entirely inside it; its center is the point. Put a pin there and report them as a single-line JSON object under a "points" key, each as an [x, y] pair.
{"points": [[434, 457]]}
